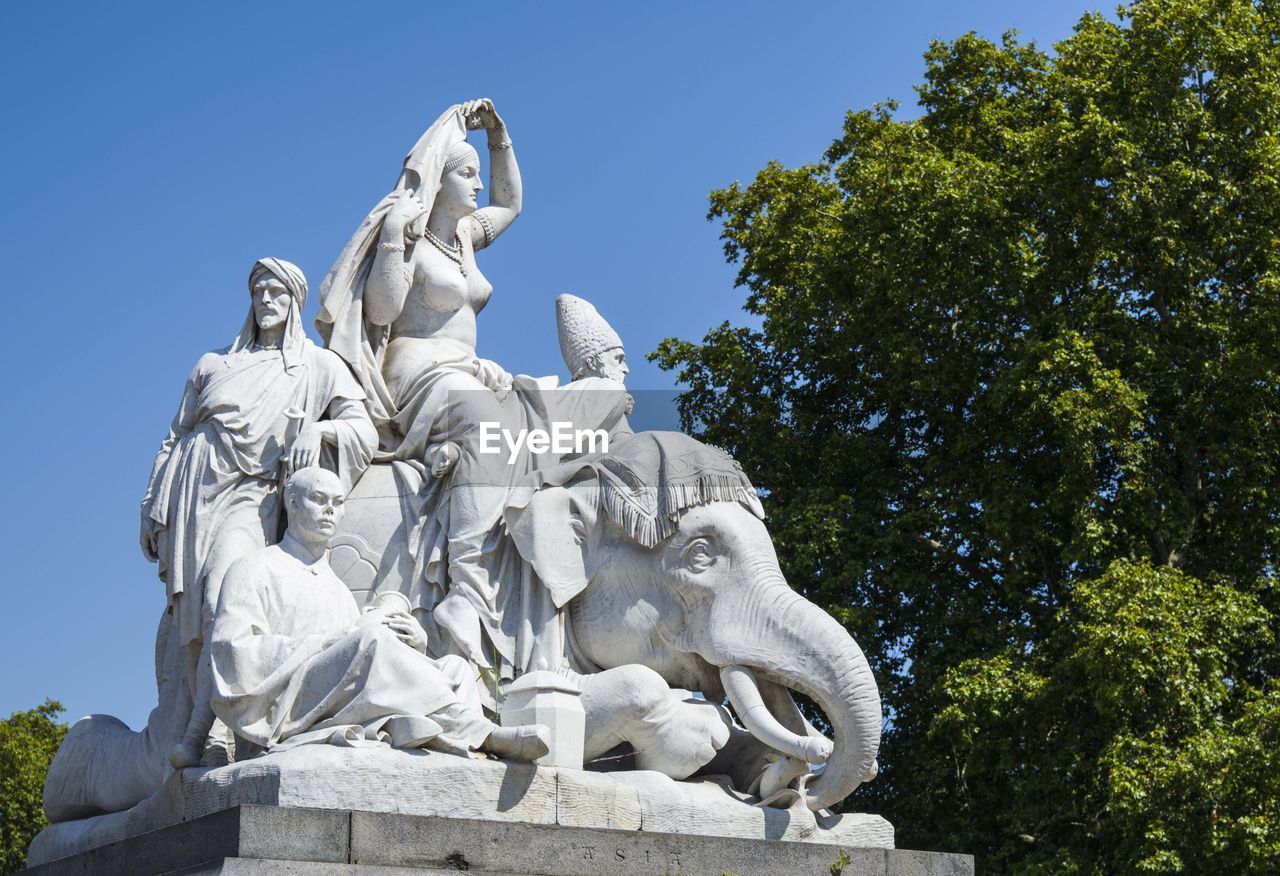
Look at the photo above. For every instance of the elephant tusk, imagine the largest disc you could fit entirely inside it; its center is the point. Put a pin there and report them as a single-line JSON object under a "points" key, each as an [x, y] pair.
{"points": [[780, 774], [744, 693], [777, 698]]}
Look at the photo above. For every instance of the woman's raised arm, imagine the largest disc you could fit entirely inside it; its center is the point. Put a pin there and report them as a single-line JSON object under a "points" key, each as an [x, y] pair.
{"points": [[505, 190], [390, 275]]}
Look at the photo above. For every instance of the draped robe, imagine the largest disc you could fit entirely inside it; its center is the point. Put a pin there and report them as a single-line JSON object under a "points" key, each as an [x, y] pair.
{"points": [[295, 662], [217, 475]]}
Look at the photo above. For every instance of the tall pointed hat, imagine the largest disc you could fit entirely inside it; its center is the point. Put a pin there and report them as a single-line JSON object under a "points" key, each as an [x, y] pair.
{"points": [[583, 332]]}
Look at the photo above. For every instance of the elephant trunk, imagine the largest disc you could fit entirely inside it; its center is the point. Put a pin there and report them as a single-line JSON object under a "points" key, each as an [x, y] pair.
{"points": [[789, 641]]}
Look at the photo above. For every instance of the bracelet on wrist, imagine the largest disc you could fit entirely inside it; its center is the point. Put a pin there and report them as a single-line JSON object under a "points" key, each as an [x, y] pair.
{"points": [[391, 247], [504, 143]]}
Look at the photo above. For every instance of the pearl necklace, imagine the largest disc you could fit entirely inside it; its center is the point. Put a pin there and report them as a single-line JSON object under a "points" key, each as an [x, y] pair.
{"points": [[453, 253]]}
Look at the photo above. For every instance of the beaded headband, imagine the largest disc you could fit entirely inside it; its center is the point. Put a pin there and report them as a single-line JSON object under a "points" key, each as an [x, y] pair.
{"points": [[460, 155]]}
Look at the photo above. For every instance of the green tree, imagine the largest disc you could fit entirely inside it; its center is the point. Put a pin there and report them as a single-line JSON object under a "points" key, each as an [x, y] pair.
{"points": [[28, 741], [1014, 403]]}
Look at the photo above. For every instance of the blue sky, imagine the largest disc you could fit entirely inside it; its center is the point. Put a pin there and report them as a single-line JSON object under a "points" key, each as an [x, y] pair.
{"points": [[152, 152]]}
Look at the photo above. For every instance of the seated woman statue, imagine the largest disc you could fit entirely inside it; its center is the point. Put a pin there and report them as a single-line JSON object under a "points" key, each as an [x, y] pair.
{"points": [[271, 401], [294, 660], [400, 306]]}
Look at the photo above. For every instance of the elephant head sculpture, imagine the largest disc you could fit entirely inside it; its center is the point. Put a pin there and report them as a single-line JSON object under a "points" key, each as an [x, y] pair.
{"points": [[659, 554]]}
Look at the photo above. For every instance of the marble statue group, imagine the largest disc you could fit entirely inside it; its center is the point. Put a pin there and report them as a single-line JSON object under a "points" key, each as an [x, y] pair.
{"points": [[346, 563]]}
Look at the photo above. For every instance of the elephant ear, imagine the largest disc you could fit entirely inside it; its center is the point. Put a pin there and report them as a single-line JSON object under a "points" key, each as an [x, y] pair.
{"points": [[555, 532]]}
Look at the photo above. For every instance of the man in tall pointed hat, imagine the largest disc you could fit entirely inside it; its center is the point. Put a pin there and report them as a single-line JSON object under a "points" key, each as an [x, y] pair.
{"points": [[597, 396]]}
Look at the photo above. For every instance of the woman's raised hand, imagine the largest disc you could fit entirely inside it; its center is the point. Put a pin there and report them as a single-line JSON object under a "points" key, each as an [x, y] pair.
{"points": [[481, 114], [405, 207]]}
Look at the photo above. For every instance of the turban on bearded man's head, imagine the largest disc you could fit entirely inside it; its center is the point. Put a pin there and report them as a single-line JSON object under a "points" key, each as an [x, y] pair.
{"points": [[295, 282], [286, 272]]}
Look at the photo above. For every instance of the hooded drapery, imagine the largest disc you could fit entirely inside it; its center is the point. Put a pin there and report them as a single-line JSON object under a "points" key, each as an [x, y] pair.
{"points": [[341, 319]]}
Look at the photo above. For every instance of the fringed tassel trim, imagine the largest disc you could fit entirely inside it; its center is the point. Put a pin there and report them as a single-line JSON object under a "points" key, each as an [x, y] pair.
{"points": [[638, 515]]}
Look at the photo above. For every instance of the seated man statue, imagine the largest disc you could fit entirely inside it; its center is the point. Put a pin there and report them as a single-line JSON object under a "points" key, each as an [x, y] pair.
{"points": [[295, 661]]}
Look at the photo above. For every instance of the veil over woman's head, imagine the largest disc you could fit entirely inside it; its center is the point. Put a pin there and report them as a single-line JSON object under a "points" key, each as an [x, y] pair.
{"points": [[341, 319]]}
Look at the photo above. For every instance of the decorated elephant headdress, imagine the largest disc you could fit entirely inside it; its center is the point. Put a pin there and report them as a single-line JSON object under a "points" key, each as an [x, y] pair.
{"points": [[643, 485]]}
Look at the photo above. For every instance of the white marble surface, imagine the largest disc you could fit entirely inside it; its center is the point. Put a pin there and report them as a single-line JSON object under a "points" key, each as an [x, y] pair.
{"points": [[555, 702]]}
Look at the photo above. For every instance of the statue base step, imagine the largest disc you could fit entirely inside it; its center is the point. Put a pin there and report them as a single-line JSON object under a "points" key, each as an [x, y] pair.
{"points": [[272, 841], [382, 779]]}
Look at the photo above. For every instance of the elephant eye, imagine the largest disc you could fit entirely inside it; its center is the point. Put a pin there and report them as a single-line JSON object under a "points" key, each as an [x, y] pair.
{"points": [[698, 555]]}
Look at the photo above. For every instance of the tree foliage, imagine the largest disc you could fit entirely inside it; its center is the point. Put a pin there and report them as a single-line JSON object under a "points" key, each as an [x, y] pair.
{"points": [[1013, 397], [28, 742]]}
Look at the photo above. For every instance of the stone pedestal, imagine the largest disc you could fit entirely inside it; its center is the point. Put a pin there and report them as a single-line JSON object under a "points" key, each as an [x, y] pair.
{"points": [[554, 700], [272, 841], [380, 779]]}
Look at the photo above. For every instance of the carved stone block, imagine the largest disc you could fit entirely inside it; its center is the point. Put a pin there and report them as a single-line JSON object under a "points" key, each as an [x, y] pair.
{"points": [[554, 700]]}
